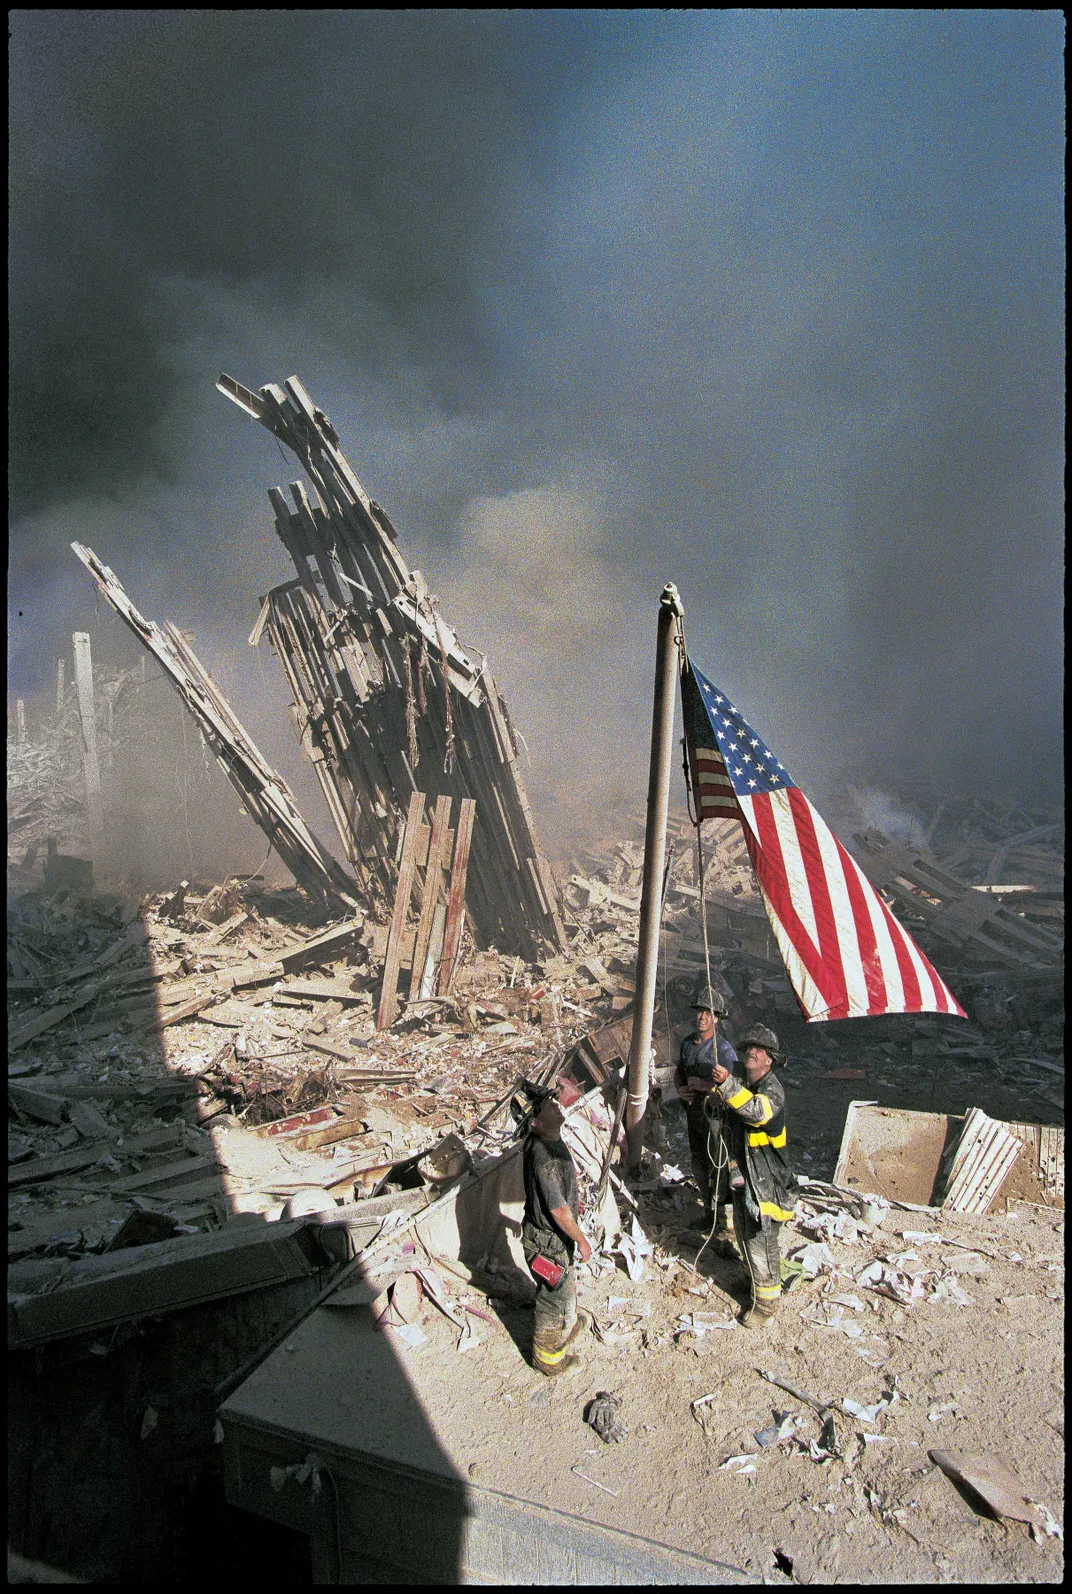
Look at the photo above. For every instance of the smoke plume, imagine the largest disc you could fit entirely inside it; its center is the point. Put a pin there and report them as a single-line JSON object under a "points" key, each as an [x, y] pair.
{"points": [[768, 304]]}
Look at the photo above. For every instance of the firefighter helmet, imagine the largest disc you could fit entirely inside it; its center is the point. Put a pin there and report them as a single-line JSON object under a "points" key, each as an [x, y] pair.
{"points": [[760, 1035], [714, 1001]]}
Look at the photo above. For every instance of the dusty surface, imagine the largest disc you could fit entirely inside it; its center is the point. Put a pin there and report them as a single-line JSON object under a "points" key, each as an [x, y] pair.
{"points": [[986, 1376], [990, 1369]]}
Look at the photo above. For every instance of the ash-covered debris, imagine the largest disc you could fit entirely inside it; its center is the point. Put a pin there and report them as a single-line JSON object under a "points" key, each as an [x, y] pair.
{"points": [[212, 1050], [46, 795]]}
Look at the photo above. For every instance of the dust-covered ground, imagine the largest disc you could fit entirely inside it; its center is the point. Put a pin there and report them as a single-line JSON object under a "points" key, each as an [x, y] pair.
{"points": [[983, 1376]]}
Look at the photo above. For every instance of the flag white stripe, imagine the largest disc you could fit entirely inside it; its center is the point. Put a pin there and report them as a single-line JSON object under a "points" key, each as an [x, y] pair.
{"points": [[887, 952], [930, 997], [807, 991], [844, 918], [796, 875]]}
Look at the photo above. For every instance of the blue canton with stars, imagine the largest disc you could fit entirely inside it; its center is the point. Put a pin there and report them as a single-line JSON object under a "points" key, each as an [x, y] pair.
{"points": [[750, 764]]}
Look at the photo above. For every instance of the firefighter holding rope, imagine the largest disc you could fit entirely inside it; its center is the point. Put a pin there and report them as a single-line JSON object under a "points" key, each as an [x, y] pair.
{"points": [[756, 1133]]}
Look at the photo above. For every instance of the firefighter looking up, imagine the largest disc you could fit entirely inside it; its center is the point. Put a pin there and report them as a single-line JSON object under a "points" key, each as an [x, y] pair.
{"points": [[694, 1078], [551, 1235], [755, 1129]]}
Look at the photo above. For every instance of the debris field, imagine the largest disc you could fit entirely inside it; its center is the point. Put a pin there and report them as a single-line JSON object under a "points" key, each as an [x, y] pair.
{"points": [[240, 1051]]}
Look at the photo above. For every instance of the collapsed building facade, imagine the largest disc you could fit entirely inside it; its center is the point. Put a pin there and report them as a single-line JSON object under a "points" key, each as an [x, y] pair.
{"points": [[387, 706], [386, 700]]}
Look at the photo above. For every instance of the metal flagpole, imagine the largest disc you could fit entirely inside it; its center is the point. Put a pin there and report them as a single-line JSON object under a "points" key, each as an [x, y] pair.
{"points": [[662, 732]]}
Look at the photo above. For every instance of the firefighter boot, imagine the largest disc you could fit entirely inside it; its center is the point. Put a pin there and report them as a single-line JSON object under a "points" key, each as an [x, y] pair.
{"points": [[761, 1312], [549, 1347]]}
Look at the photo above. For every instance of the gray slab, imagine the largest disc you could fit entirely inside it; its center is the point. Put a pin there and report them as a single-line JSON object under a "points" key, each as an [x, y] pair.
{"points": [[387, 1498]]}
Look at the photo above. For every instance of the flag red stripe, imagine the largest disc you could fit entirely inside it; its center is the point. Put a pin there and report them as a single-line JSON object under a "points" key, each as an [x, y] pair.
{"points": [[765, 852], [815, 870], [713, 791], [913, 996], [877, 995]]}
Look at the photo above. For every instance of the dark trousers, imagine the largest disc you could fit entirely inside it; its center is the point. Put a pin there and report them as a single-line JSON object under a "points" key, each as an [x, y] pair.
{"points": [[709, 1154], [556, 1306], [759, 1242]]}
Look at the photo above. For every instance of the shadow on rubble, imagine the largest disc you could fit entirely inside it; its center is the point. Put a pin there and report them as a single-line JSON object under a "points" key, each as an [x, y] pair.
{"points": [[136, 1293]]}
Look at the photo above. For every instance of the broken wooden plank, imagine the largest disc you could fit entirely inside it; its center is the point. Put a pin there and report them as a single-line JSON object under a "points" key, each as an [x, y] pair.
{"points": [[83, 672], [324, 947], [223, 930], [329, 1047], [103, 1091], [452, 933], [375, 1076], [262, 973], [172, 1174], [95, 1292], [323, 990], [133, 937], [176, 1015], [44, 1168], [43, 1106], [388, 1007], [439, 841], [50, 1019]]}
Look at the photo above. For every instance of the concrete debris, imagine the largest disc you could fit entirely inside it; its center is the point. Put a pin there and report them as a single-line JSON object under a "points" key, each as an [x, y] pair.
{"points": [[197, 1087]]}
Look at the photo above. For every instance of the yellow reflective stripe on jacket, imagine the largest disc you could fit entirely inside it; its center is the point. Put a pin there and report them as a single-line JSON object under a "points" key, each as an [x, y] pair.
{"points": [[760, 1137], [739, 1098], [772, 1210]]}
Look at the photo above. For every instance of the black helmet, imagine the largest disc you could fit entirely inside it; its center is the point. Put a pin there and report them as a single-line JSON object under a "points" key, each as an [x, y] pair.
{"points": [[714, 1001], [527, 1101], [760, 1035]]}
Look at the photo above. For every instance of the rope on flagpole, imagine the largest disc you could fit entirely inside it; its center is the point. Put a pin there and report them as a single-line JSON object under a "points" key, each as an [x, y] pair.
{"points": [[692, 802], [716, 1145]]}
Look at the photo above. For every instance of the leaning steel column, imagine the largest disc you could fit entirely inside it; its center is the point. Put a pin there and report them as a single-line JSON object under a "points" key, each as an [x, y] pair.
{"points": [[662, 732], [83, 674]]}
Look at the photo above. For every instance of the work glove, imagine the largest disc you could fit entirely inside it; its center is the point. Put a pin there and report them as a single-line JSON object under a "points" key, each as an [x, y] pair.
{"points": [[602, 1415]]}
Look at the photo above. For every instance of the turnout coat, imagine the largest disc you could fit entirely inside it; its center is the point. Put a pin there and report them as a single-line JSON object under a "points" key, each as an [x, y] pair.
{"points": [[755, 1131]]}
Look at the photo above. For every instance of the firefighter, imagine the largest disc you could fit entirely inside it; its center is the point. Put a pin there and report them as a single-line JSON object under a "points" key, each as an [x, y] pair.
{"points": [[551, 1235], [694, 1078], [755, 1129]]}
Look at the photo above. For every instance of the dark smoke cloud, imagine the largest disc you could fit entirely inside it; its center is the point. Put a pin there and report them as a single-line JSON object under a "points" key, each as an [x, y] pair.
{"points": [[769, 304]]}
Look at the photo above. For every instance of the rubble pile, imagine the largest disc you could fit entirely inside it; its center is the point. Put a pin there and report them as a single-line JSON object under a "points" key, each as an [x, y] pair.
{"points": [[226, 1037], [46, 796], [214, 1051], [386, 700]]}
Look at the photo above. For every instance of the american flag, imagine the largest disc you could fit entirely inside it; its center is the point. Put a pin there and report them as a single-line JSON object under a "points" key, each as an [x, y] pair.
{"points": [[845, 953]]}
